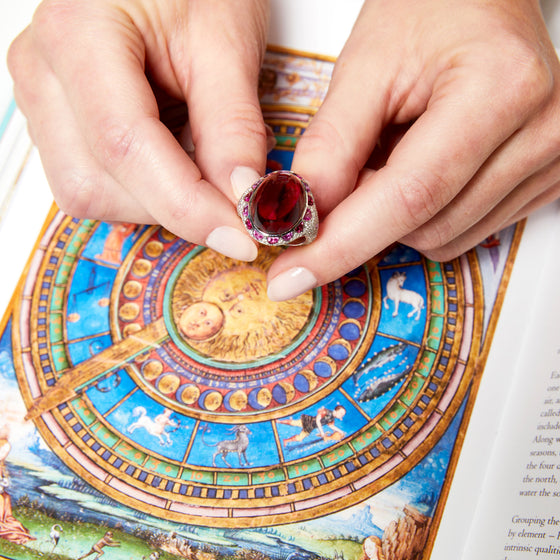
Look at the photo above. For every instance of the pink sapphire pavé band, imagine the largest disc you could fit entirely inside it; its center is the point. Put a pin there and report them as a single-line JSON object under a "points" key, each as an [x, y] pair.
{"points": [[279, 209]]}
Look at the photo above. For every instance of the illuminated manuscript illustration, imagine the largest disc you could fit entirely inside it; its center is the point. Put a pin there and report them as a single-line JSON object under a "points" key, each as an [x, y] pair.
{"points": [[155, 403]]}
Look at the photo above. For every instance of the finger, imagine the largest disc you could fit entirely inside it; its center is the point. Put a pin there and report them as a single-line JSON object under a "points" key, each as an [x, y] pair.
{"points": [[227, 124], [118, 116], [438, 155], [80, 186], [343, 133], [533, 193], [509, 178]]}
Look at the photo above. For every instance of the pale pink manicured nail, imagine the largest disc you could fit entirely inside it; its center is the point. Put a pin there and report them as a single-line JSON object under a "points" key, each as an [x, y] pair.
{"points": [[291, 283], [242, 178], [232, 243]]}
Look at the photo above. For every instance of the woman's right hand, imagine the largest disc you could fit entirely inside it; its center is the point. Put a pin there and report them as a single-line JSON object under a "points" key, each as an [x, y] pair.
{"points": [[105, 86]]}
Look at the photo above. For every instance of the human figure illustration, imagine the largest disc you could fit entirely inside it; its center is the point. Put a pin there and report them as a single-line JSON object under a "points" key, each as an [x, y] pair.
{"points": [[97, 548], [154, 426], [10, 528], [5, 446], [373, 549], [309, 423], [114, 242]]}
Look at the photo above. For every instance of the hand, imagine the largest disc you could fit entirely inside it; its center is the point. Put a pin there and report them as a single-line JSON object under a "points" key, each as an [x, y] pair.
{"points": [[440, 127], [105, 86]]}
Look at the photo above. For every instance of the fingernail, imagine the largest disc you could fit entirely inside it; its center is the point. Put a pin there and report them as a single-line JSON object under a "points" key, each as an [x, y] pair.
{"points": [[242, 178], [291, 283], [232, 243], [270, 139], [185, 139]]}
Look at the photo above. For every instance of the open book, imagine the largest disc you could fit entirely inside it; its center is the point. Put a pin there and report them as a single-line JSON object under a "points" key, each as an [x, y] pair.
{"points": [[389, 415]]}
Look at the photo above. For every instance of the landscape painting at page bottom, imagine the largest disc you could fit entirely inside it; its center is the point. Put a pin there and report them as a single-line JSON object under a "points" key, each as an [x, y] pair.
{"points": [[324, 427]]}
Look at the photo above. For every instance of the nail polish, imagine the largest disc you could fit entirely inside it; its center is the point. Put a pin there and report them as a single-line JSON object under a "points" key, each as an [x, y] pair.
{"points": [[242, 178], [291, 283], [232, 243]]}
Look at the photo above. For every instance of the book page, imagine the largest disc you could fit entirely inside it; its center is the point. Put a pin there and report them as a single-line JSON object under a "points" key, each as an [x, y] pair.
{"points": [[98, 367], [495, 387], [518, 515]]}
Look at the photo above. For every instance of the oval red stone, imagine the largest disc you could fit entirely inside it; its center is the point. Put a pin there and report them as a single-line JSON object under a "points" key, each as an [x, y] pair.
{"points": [[278, 203]]}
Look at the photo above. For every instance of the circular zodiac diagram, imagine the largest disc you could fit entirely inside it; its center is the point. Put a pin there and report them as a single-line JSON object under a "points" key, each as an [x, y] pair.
{"points": [[160, 372]]}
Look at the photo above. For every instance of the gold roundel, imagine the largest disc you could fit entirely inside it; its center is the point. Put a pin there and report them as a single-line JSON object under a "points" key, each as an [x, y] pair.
{"points": [[238, 400], [131, 328], [310, 377], [212, 400], [153, 249], [129, 311], [264, 397], [342, 342], [152, 369], [328, 361], [168, 383], [141, 268], [289, 390], [166, 235], [190, 394], [132, 289]]}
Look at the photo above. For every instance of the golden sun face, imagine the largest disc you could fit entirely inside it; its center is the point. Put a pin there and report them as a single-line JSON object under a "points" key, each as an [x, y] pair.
{"points": [[201, 320], [222, 309], [241, 295]]}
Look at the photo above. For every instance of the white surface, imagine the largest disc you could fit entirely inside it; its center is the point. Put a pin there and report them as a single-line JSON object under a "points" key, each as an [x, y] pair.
{"points": [[529, 378], [496, 385], [551, 12], [22, 211], [14, 16], [318, 26]]}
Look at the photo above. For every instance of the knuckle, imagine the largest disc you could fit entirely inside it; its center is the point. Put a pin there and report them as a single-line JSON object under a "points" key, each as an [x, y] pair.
{"points": [[116, 142], [238, 124], [417, 199], [50, 18], [324, 137], [320, 135], [14, 57], [242, 120], [531, 80], [182, 204], [78, 195], [432, 236]]}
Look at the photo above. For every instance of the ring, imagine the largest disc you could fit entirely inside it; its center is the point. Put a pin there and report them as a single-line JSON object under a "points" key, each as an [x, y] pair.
{"points": [[279, 209]]}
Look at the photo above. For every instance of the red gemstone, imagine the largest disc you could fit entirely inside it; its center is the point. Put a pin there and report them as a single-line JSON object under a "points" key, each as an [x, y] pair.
{"points": [[278, 203]]}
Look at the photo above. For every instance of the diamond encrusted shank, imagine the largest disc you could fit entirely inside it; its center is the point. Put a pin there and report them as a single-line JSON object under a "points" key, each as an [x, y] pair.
{"points": [[279, 209]]}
